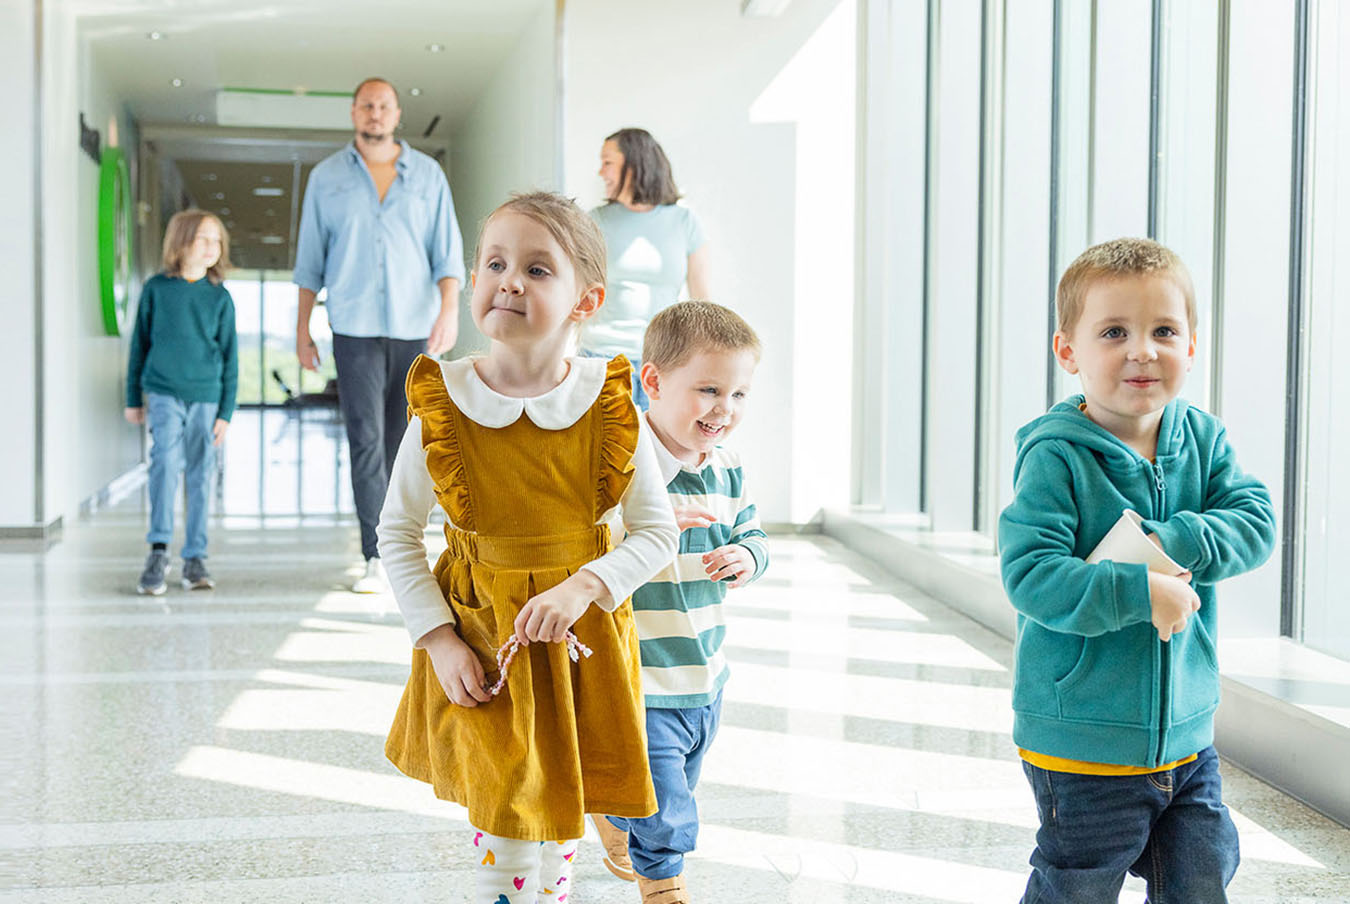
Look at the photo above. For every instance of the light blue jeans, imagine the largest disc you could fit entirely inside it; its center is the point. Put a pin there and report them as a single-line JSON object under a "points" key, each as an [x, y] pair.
{"points": [[677, 740], [181, 434]]}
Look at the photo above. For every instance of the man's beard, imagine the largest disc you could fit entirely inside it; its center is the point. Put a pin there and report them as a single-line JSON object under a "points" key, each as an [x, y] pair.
{"points": [[375, 137]]}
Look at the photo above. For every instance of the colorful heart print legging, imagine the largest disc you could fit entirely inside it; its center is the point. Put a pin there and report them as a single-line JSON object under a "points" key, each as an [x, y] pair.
{"points": [[521, 872]]}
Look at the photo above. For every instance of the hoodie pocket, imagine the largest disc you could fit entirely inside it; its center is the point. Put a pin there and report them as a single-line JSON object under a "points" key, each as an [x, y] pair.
{"points": [[1110, 683], [1195, 672]]}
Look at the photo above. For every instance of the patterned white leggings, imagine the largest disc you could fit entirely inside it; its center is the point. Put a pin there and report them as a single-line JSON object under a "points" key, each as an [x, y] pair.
{"points": [[522, 872]]}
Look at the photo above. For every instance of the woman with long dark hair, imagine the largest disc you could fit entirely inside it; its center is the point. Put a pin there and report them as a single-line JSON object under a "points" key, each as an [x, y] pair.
{"points": [[654, 245]]}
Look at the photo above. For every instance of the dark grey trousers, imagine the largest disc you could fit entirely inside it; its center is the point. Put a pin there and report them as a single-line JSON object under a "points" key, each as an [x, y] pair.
{"points": [[371, 372]]}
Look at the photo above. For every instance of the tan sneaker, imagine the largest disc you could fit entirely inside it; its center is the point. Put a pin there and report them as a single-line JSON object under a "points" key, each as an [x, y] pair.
{"points": [[663, 891], [615, 842]]}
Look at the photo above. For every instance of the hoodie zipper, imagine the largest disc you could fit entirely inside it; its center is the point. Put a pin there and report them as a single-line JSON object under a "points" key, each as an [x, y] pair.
{"points": [[1165, 659]]}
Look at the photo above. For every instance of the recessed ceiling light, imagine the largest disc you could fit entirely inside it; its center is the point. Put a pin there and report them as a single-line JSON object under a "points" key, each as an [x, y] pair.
{"points": [[176, 82], [155, 35], [208, 177], [224, 211], [272, 240], [272, 192], [435, 48], [219, 196], [415, 92]]}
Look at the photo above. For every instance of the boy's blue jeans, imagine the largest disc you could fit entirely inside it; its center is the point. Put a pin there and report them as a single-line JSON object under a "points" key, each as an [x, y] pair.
{"points": [[677, 740], [182, 440], [1171, 828]]}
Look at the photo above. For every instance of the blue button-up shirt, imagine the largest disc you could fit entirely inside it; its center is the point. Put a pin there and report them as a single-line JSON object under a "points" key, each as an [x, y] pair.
{"points": [[379, 261]]}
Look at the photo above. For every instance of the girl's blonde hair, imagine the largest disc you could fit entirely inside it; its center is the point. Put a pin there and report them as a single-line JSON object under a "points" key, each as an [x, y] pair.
{"points": [[182, 232], [574, 231]]}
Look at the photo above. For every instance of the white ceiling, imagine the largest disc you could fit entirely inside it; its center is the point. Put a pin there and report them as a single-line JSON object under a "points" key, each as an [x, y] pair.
{"points": [[312, 45], [315, 45]]}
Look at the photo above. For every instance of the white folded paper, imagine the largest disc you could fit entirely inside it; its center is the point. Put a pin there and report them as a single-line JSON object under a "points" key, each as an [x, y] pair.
{"points": [[1127, 543]]}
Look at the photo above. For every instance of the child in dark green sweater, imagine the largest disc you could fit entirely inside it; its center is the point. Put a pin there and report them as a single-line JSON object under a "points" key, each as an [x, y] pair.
{"points": [[182, 373]]}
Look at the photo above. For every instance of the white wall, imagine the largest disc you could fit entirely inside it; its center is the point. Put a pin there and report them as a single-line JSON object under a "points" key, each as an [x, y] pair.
{"points": [[87, 442], [757, 117], [17, 347], [507, 143]]}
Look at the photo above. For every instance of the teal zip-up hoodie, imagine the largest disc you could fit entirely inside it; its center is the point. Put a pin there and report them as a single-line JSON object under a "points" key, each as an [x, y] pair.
{"points": [[1092, 680]]}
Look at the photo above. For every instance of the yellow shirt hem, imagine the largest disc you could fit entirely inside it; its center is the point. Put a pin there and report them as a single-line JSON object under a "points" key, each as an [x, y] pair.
{"points": [[1082, 767]]}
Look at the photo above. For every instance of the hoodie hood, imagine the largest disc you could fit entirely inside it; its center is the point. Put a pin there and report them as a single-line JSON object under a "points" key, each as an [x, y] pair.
{"points": [[1068, 423]]}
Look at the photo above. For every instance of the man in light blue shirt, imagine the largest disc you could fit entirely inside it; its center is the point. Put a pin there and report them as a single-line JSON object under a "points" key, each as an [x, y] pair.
{"points": [[378, 231]]}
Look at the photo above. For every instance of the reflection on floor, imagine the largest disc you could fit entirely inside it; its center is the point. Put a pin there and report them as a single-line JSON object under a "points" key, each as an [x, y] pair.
{"points": [[226, 746]]}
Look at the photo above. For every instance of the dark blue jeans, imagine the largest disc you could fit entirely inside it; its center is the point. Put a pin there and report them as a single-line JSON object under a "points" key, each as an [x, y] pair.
{"points": [[677, 739], [371, 373], [1170, 828]]}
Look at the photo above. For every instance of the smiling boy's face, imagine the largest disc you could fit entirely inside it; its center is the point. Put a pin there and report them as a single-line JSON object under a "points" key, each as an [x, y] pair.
{"points": [[1131, 348], [695, 406]]}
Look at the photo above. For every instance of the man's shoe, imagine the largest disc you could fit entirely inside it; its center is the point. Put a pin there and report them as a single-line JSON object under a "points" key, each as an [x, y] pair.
{"points": [[195, 575], [615, 842], [373, 581], [152, 577], [663, 891]]}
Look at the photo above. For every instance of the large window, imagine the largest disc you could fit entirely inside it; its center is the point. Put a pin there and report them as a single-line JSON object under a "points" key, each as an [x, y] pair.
{"points": [[1217, 126], [265, 304]]}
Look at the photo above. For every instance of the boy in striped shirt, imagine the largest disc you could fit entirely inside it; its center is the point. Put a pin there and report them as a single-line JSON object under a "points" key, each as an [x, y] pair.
{"points": [[698, 359]]}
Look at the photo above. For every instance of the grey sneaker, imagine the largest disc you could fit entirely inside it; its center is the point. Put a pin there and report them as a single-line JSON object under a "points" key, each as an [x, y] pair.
{"points": [[195, 575], [152, 578]]}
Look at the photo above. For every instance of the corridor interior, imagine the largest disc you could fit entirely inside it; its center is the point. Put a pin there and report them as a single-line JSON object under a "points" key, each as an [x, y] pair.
{"points": [[227, 745]]}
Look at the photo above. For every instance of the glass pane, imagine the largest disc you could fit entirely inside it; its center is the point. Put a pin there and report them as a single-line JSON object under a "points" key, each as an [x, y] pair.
{"points": [[953, 232], [1251, 390], [244, 289], [1120, 119], [1186, 166], [1074, 205], [1326, 597], [1024, 288]]}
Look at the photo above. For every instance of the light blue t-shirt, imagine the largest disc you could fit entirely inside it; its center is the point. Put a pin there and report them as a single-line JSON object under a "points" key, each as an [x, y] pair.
{"points": [[648, 254]]}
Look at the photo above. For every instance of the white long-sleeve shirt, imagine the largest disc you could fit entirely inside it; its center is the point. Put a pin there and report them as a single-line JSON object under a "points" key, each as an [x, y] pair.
{"points": [[644, 511]]}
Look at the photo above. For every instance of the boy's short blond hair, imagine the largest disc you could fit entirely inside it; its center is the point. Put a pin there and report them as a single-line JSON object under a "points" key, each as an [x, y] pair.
{"points": [[1113, 260], [574, 231], [686, 328]]}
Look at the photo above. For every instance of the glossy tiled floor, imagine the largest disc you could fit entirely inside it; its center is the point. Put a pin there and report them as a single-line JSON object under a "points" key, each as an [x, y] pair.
{"points": [[226, 746]]}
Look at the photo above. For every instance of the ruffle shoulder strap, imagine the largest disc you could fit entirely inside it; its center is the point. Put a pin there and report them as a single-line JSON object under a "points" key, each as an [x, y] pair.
{"points": [[619, 433], [429, 400]]}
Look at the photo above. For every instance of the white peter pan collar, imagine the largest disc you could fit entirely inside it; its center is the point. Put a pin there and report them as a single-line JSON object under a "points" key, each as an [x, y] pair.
{"points": [[559, 408]]}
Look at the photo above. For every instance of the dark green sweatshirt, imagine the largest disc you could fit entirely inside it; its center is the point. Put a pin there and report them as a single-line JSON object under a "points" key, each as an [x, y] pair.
{"points": [[184, 344]]}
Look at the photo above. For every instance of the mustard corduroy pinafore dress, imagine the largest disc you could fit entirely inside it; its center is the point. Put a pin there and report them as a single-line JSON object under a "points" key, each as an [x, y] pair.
{"points": [[563, 738]]}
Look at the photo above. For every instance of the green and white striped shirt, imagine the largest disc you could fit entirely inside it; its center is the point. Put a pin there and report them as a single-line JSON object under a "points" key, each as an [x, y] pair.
{"points": [[680, 622]]}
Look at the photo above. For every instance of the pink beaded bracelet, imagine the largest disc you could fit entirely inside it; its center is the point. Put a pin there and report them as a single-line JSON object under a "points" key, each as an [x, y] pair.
{"points": [[575, 649]]}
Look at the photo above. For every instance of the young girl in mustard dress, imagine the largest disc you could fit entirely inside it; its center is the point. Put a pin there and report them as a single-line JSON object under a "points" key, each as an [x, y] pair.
{"points": [[538, 460]]}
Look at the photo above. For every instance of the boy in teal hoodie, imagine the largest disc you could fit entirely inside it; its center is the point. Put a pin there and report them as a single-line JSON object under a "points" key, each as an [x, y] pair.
{"points": [[1116, 680]]}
